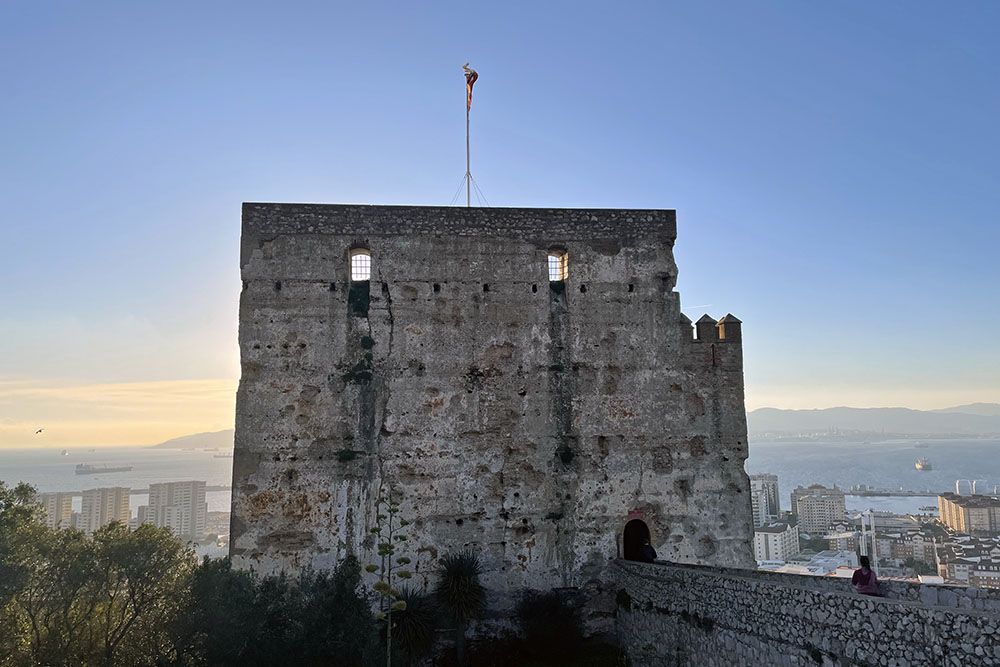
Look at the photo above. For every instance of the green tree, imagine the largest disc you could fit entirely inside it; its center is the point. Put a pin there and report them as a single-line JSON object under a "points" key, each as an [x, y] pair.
{"points": [[105, 600], [19, 524], [461, 594], [142, 585], [139, 597], [66, 599], [919, 566]]}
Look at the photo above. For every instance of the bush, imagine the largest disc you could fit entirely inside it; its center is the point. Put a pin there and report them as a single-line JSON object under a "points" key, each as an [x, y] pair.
{"points": [[549, 622], [237, 618]]}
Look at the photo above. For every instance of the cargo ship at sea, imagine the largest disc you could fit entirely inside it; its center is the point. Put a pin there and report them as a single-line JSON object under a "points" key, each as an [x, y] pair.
{"points": [[88, 469]]}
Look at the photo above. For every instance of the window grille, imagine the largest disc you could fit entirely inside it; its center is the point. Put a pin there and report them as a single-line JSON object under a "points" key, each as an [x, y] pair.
{"points": [[558, 266], [361, 265]]}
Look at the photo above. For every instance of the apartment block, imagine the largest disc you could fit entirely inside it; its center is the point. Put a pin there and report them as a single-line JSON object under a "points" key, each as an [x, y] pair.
{"points": [[179, 506], [818, 507], [975, 514], [764, 498], [775, 541], [58, 508], [103, 506]]}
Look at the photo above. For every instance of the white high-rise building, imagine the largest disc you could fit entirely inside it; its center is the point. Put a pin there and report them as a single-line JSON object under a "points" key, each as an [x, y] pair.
{"points": [[179, 506], [103, 506], [764, 498], [776, 541], [58, 509]]}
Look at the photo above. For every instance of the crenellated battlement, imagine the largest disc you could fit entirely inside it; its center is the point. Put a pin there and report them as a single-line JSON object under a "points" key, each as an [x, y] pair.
{"points": [[729, 329]]}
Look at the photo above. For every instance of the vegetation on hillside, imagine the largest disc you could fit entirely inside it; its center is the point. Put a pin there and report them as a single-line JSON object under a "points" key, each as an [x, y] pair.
{"points": [[140, 598]]}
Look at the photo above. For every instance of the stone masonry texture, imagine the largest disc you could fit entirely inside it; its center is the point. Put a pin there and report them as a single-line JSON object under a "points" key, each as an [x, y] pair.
{"points": [[526, 420], [680, 615]]}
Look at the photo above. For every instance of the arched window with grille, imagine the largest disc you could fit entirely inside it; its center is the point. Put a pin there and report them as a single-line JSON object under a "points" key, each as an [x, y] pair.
{"points": [[361, 265]]}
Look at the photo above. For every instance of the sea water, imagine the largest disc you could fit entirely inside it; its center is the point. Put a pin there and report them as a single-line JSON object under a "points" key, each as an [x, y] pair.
{"points": [[880, 464], [883, 465], [47, 470]]}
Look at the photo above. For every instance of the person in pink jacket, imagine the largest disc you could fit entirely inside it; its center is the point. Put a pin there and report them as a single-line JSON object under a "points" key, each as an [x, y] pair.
{"points": [[864, 579]]}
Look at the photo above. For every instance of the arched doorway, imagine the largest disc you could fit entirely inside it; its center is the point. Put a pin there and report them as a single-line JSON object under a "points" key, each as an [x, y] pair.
{"points": [[636, 535]]}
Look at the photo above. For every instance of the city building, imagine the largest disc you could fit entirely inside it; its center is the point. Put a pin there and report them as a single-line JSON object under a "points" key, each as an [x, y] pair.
{"points": [[818, 507], [764, 498], [100, 507], [775, 542], [828, 563], [844, 540], [970, 560], [975, 515], [179, 506], [57, 508], [519, 379]]}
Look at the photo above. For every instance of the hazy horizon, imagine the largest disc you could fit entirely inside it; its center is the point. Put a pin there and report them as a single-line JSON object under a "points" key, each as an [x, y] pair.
{"points": [[832, 168], [46, 440]]}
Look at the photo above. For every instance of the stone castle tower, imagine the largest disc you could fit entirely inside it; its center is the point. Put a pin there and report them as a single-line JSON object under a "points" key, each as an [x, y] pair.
{"points": [[523, 379]]}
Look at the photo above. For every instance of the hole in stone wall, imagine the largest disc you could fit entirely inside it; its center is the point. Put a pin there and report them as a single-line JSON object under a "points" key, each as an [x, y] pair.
{"points": [[277, 286], [583, 288], [486, 287], [333, 287], [534, 288], [458, 522], [631, 288], [437, 288]]}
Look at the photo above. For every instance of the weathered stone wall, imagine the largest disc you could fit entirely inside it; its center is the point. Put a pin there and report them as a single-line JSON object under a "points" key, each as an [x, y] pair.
{"points": [[526, 420], [671, 614]]}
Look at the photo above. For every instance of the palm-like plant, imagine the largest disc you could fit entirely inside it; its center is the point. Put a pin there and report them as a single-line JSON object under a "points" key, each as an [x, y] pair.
{"points": [[415, 624], [461, 594]]}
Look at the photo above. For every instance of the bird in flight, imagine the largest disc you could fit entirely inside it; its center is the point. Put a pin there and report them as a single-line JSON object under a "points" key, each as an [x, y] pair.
{"points": [[39, 431]]}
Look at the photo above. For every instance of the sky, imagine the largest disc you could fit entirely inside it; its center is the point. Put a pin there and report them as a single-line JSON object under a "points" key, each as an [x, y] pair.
{"points": [[833, 166]]}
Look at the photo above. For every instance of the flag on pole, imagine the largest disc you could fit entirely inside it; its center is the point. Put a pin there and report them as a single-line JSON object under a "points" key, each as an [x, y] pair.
{"points": [[470, 80]]}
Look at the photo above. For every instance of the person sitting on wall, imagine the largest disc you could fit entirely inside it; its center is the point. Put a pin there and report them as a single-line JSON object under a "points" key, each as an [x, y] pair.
{"points": [[864, 579], [647, 554]]}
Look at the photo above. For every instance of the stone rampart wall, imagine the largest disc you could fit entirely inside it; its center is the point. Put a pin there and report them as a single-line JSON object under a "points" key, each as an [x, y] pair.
{"points": [[671, 614]]}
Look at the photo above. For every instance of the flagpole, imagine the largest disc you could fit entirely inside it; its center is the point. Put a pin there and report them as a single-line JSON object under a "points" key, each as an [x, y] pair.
{"points": [[468, 170], [470, 79]]}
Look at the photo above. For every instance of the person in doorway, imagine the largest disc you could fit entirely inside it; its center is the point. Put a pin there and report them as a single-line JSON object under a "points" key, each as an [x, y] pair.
{"points": [[864, 579], [647, 554]]}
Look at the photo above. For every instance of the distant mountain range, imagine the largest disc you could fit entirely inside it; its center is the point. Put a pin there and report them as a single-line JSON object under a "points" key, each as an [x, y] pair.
{"points": [[985, 409], [977, 419], [210, 440]]}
